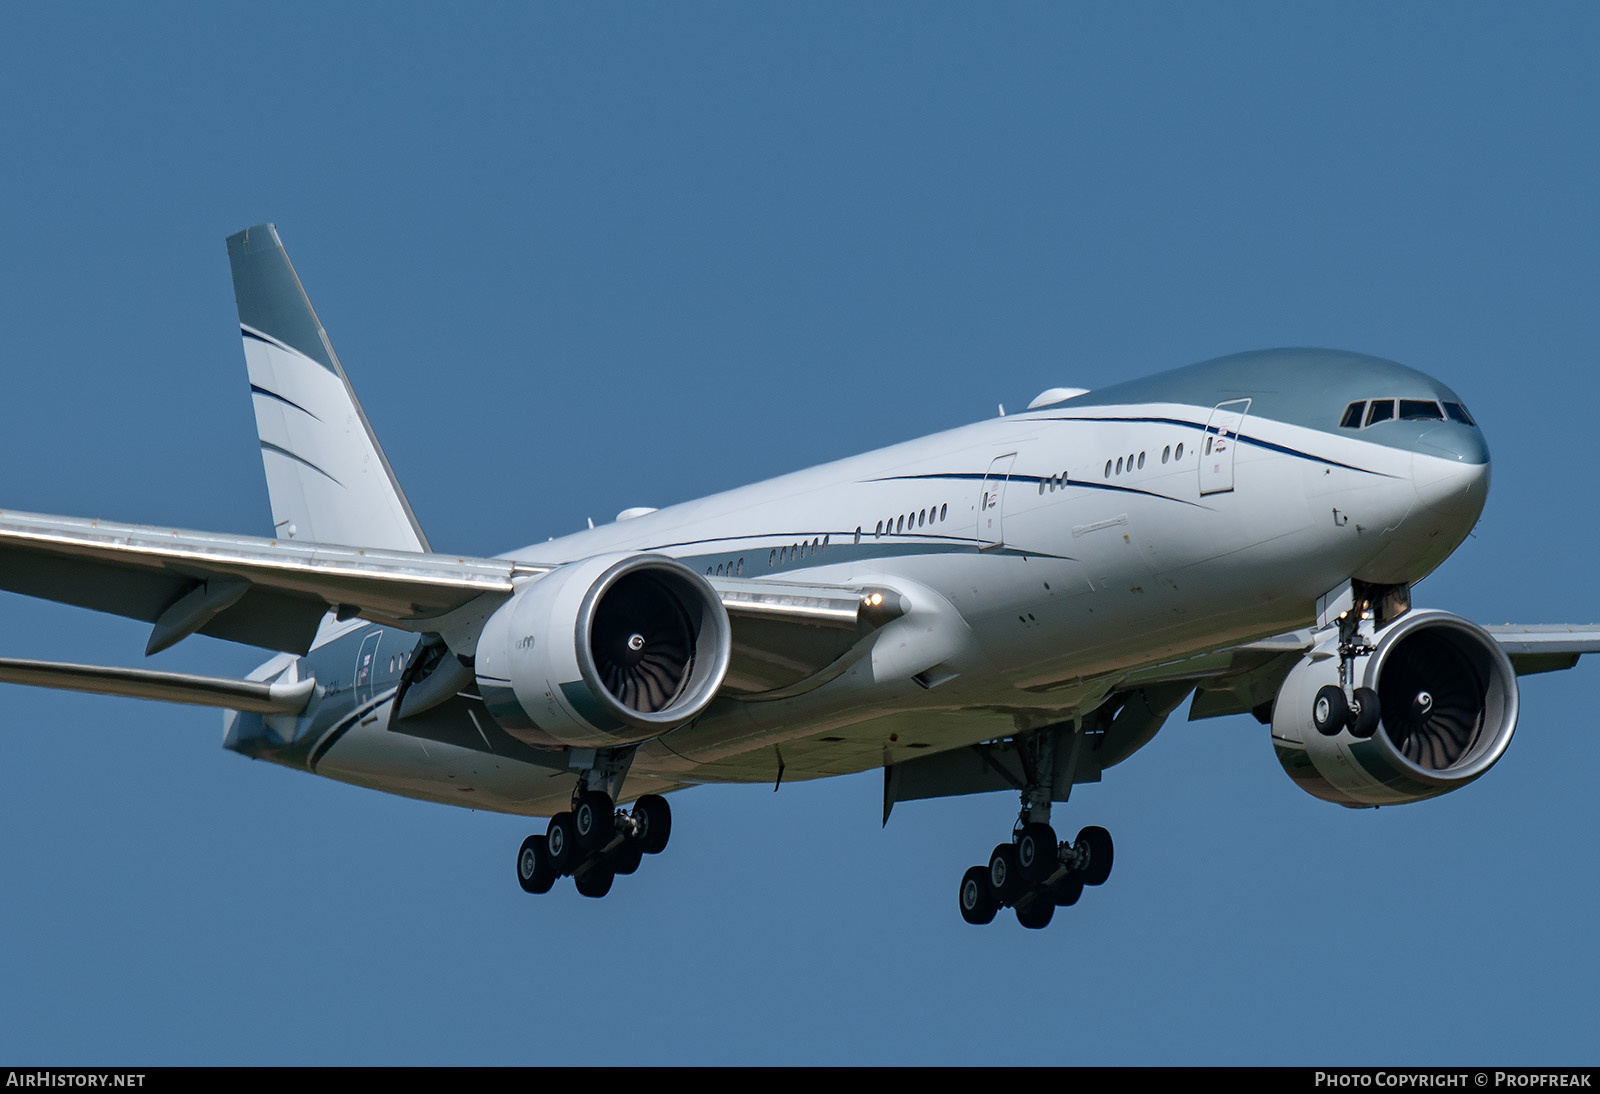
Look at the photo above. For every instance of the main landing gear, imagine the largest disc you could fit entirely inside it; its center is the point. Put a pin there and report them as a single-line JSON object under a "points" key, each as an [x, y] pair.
{"points": [[593, 843], [1035, 875]]}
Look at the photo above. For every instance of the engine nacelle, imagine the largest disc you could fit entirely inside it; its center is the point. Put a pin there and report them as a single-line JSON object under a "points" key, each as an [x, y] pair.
{"points": [[1448, 700], [607, 651]]}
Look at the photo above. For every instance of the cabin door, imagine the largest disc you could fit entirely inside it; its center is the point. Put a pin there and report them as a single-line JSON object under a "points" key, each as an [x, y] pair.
{"points": [[992, 503], [1220, 445]]}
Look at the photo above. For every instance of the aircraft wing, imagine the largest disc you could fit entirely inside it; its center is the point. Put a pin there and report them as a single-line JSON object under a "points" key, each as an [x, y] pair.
{"points": [[262, 592], [1242, 679], [274, 593]]}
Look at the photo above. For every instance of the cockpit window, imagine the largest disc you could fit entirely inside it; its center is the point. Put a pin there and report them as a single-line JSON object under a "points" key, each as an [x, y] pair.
{"points": [[1420, 410], [1364, 412]]}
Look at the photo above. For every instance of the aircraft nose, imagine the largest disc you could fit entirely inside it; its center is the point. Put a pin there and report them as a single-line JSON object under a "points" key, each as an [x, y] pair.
{"points": [[1458, 443], [1450, 470]]}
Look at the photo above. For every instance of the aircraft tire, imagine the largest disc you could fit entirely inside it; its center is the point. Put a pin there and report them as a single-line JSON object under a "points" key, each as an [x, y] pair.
{"points": [[534, 872], [1330, 710], [1036, 852], [591, 820], [1365, 723], [596, 883], [1005, 876], [1100, 854], [1037, 915], [978, 905], [625, 860], [657, 822], [1067, 893], [561, 844]]}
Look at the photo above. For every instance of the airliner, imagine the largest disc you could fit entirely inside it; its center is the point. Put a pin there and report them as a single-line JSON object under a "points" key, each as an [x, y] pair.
{"points": [[1016, 605]]}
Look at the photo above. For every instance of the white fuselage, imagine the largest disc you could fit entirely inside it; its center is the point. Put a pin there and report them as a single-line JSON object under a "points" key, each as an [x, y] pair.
{"points": [[1036, 579]]}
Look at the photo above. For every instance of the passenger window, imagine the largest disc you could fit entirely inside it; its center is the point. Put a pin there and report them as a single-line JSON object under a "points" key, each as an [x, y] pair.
{"points": [[1178, 455], [1166, 453], [1381, 410], [942, 509], [1420, 410], [1141, 461], [1119, 465], [1108, 469], [1352, 415]]}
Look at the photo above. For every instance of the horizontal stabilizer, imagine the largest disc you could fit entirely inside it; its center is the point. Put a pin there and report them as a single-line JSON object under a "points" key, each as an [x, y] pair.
{"points": [[254, 696]]}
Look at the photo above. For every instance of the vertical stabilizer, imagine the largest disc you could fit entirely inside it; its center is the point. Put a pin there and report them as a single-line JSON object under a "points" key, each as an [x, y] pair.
{"points": [[327, 476]]}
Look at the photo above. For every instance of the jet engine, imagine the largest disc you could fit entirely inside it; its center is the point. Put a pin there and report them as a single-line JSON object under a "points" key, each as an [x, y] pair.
{"points": [[607, 651], [1447, 699]]}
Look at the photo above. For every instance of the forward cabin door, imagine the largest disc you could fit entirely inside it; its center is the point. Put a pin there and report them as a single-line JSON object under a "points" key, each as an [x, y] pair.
{"points": [[992, 503], [1220, 444]]}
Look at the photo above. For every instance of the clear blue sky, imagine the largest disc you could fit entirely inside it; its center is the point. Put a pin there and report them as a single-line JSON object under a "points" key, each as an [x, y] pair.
{"points": [[581, 258]]}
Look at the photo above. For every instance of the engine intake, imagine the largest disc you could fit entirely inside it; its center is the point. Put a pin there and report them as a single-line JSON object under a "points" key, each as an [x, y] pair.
{"points": [[1448, 707], [607, 651]]}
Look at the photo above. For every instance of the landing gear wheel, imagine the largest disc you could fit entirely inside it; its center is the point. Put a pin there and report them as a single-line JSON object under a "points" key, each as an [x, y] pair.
{"points": [[1005, 876], [561, 844], [656, 817], [1364, 721], [596, 882], [1098, 843], [625, 860], [978, 905], [1330, 711], [591, 820], [534, 872], [1037, 915], [1067, 893], [1036, 852]]}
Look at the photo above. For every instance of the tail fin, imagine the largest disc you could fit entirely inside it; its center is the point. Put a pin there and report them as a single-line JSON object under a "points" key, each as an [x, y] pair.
{"points": [[327, 476]]}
